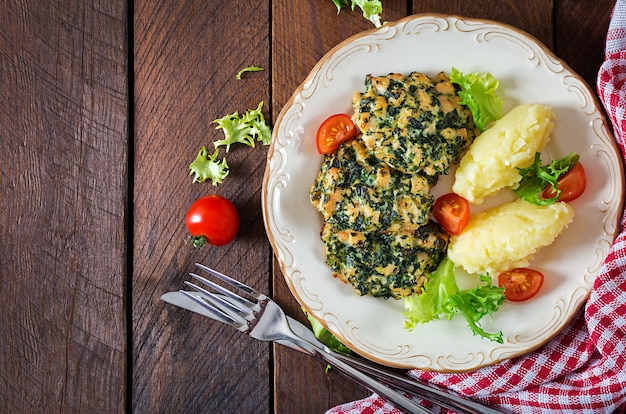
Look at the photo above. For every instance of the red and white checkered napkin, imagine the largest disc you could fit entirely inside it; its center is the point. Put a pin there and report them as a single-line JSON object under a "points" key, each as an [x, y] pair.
{"points": [[582, 369]]}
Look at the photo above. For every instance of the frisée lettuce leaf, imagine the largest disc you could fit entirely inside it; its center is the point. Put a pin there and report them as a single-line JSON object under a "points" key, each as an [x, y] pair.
{"points": [[244, 129], [478, 93], [252, 68], [207, 167], [441, 297], [371, 8], [537, 177]]}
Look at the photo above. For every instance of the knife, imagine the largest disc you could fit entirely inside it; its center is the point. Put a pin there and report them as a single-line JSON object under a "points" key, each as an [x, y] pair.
{"points": [[388, 376]]}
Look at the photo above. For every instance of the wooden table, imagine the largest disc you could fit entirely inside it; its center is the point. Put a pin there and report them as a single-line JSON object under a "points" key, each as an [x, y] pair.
{"points": [[103, 105]]}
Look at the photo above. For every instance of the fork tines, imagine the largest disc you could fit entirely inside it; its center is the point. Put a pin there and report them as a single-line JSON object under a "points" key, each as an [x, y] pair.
{"points": [[226, 306], [234, 283]]}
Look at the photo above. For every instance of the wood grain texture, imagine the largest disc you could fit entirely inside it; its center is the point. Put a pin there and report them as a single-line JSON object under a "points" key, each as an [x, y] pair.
{"points": [[186, 57], [63, 132], [580, 42], [532, 16]]}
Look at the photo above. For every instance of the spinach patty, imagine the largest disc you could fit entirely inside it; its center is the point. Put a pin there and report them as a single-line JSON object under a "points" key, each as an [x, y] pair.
{"points": [[413, 123], [374, 191], [356, 191], [385, 264]]}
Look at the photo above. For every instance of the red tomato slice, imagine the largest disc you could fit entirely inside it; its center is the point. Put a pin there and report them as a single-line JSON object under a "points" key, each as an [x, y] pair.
{"points": [[520, 284], [213, 219], [572, 184], [452, 211], [333, 131]]}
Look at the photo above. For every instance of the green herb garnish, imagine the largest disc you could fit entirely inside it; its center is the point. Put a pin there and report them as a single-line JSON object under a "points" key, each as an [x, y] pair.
{"points": [[206, 167], [248, 69], [537, 177], [478, 93], [244, 129], [441, 296], [371, 8]]}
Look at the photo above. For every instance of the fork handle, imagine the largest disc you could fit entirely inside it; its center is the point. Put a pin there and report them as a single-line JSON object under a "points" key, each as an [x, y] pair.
{"points": [[399, 400], [387, 376], [429, 393]]}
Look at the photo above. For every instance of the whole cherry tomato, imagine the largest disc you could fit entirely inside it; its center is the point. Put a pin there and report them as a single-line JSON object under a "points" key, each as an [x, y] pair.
{"points": [[212, 219]]}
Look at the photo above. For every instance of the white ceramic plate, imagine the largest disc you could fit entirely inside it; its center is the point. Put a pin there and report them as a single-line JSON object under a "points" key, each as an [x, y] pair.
{"points": [[528, 73]]}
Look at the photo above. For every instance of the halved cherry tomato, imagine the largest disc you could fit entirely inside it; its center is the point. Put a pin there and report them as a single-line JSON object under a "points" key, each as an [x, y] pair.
{"points": [[333, 131], [572, 184], [452, 211], [212, 219], [520, 284]]}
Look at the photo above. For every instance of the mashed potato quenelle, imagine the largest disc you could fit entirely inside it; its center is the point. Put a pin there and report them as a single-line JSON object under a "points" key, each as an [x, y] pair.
{"points": [[511, 142], [507, 236]]}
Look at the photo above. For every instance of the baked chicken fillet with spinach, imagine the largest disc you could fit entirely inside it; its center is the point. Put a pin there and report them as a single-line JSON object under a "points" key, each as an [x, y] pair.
{"points": [[413, 123], [356, 191], [385, 264]]}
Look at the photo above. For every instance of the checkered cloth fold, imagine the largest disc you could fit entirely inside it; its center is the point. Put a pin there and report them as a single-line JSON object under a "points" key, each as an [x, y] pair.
{"points": [[583, 368]]}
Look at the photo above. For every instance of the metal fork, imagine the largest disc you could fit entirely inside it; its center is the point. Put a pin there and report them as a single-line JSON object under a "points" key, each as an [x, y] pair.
{"points": [[254, 318], [261, 318]]}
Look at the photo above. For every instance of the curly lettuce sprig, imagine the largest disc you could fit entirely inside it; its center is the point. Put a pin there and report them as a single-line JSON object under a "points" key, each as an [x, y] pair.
{"points": [[244, 129], [441, 297], [371, 9], [252, 68], [207, 167], [478, 93], [537, 177]]}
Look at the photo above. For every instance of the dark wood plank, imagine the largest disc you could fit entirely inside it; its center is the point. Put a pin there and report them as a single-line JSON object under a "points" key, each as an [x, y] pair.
{"points": [[580, 42], [186, 57], [532, 16], [296, 48], [63, 129]]}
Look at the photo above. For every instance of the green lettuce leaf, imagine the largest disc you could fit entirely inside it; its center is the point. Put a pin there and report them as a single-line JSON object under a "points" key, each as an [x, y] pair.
{"points": [[371, 9], [325, 336], [476, 303], [441, 297], [248, 69], [478, 93], [244, 129], [432, 302], [207, 167], [537, 177]]}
